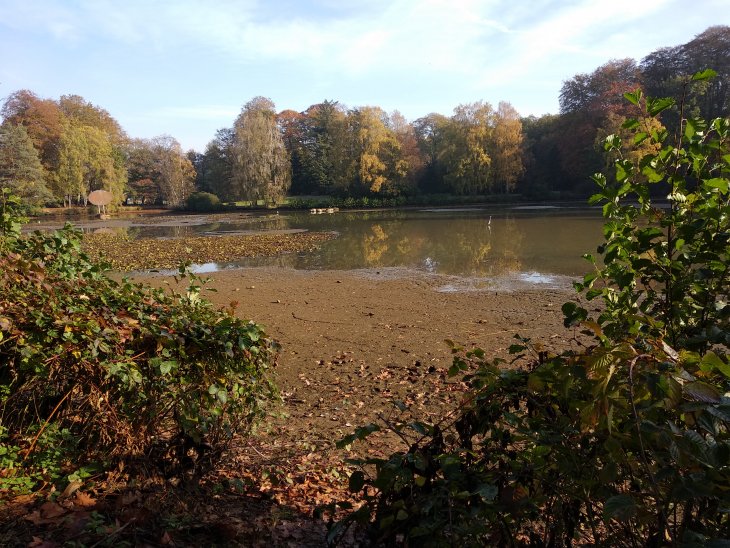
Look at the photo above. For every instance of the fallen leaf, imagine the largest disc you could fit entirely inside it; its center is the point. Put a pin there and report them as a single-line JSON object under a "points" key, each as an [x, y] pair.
{"points": [[84, 500]]}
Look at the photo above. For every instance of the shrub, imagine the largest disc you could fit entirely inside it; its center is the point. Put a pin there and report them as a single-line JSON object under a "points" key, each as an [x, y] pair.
{"points": [[106, 372], [625, 443], [203, 202]]}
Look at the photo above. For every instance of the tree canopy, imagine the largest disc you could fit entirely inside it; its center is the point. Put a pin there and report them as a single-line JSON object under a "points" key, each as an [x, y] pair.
{"points": [[362, 151]]}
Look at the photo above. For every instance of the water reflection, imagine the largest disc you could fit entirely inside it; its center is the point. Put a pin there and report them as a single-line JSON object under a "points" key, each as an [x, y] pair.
{"points": [[461, 243], [468, 242]]}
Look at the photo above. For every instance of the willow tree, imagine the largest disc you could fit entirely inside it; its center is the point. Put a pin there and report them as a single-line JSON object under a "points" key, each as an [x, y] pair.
{"points": [[261, 169], [87, 161]]}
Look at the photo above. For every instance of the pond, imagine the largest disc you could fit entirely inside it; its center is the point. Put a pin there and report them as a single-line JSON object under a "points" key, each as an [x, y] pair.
{"points": [[533, 245]]}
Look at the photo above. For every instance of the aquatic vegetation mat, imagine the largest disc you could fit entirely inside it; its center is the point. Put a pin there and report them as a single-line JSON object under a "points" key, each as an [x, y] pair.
{"points": [[144, 254]]}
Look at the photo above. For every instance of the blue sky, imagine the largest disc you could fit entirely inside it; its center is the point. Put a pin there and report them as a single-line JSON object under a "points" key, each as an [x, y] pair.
{"points": [[186, 67]]}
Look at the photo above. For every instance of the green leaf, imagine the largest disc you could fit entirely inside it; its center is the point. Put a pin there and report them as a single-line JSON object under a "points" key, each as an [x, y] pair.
{"points": [[640, 137], [360, 433], [619, 507], [702, 75], [711, 361], [701, 391], [719, 183], [487, 491], [167, 366], [634, 97], [655, 106], [517, 348]]}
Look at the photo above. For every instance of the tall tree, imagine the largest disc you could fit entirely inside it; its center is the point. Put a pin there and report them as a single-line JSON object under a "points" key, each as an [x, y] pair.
{"points": [[197, 160], [602, 91], [507, 165], [67, 181], [142, 172], [42, 119], [430, 133], [377, 153], [87, 161], [84, 113], [465, 149], [324, 159], [20, 168], [543, 170], [585, 102], [667, 71], [261, 167], [218, 164], [413, 159], [175, 173]]}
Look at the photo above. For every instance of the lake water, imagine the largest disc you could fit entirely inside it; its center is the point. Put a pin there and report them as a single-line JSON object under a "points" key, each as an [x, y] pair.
{"points": [[476, 246]]}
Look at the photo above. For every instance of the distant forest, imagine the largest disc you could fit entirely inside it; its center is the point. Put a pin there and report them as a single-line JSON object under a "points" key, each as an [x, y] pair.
{"points": [[54, 152]]}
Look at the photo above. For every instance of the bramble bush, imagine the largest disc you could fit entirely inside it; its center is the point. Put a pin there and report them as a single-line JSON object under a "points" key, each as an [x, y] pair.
{"points": [[622, 443], [100, 373]]}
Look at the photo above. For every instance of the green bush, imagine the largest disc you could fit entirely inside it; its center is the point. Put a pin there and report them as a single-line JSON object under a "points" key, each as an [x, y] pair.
{"points": [[625, 443], [203, 202], [106, 372]]}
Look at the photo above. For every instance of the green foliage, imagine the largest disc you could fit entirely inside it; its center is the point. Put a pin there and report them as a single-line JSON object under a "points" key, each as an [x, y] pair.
{"points": [[10, 220], [203, 202], [96, 370], [20, 166], [625, 443], [665, 268]]}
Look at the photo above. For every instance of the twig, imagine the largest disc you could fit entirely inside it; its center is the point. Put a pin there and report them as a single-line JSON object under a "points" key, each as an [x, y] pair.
{"points": [[316, 321], [45, 424], [99, 542]]}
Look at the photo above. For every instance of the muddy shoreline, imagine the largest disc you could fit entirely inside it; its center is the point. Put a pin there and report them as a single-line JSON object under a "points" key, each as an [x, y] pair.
{"points": [[354, 341]]}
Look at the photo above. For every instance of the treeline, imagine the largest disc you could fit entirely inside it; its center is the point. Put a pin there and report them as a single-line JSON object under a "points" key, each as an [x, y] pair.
{"points": [[58, 151]]}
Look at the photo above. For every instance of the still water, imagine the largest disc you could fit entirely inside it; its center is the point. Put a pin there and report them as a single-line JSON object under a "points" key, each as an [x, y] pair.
{"points": [[533, 245]]}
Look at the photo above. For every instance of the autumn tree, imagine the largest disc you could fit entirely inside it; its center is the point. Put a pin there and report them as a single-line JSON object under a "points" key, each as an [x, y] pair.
{"points": [[378, 161], [84, 113], [261, 169], [411, 155], [42, 119], [630, 149], [666, 72], [20, 168], [465, 146], [67, 180], [159, 171], [506, 148], [87, 161], [585, 102], [175, 173]]}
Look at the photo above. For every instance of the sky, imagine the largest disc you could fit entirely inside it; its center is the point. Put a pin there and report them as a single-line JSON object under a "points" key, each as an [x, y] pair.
{"points": [[186, 67]]}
